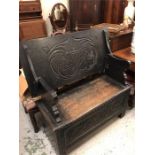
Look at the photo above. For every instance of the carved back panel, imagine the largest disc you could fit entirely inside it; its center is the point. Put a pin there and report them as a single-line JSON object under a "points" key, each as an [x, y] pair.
{"points": [[65, 59]]}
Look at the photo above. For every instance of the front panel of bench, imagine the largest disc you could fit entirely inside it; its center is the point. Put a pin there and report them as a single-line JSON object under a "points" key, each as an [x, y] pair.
{"points": [[95, 118]]}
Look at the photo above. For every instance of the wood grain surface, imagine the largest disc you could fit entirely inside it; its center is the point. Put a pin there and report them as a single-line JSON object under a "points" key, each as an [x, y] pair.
{"points": [[82, 99]]}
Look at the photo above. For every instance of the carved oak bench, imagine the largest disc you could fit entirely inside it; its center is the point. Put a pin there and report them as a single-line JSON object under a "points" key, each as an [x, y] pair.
{"points": [[80, 82]]}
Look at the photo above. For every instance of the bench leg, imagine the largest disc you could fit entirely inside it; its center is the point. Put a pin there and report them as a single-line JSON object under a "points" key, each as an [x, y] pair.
{"points": [[33, 120], [60, 140], [131, 103], [124, 106], [122, 114]]}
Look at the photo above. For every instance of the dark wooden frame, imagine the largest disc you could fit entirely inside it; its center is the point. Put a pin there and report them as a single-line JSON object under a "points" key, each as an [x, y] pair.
{"points": [[68, 131]]}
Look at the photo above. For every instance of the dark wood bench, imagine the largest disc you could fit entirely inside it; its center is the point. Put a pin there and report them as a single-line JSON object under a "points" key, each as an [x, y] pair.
{"points": [[80, 82]]}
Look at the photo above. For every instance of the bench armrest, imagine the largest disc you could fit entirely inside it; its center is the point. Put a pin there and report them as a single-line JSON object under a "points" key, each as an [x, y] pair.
{"points": [[116, 67], [49, 98], [47, 88]]}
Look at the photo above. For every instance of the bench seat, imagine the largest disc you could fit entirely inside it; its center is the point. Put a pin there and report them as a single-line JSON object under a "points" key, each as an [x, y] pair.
{"points": [[80, 100]]}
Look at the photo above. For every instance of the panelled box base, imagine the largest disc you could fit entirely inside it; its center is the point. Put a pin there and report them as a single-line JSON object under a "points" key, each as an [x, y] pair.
{"points": [[110, 100]]}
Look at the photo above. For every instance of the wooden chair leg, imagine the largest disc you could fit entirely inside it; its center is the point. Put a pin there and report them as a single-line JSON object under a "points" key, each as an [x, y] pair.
{"points": [[33, 120], [25, 110]]}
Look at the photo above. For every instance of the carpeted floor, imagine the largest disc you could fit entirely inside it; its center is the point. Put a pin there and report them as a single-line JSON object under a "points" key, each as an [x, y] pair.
{"points": [[114, 138]]}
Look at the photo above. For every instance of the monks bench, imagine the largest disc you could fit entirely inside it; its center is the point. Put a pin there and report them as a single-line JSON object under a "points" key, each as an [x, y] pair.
{"points": [[79, 84]]}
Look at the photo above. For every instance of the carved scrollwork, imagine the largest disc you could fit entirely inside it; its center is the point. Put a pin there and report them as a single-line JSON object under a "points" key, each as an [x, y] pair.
{"points": [[67, 61]]}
